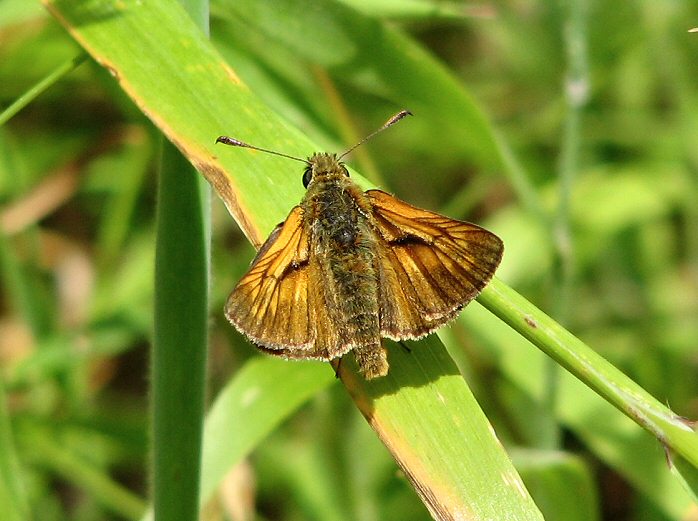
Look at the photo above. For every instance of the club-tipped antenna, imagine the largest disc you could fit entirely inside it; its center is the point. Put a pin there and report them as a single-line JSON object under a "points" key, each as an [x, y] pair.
{"points": [[237, 143], [227, 140], [397, 117]]}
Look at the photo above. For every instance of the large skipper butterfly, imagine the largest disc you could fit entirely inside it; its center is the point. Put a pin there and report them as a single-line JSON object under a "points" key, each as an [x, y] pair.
{"points": [[348, 267]]}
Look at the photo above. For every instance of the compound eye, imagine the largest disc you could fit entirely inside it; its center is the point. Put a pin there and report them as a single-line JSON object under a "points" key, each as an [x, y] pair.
{"points": [[307, 176]]}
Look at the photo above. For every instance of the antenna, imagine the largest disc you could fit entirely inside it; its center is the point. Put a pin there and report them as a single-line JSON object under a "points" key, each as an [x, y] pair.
{"points": [[237, 143], [397, 117], [226, 140]]}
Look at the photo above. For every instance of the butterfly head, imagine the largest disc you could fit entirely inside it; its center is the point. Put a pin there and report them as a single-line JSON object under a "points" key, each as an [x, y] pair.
{"points": [[323, 166]]}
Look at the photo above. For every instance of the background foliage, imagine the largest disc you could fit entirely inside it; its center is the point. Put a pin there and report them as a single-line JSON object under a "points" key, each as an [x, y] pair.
{"points": [[598, 105]]}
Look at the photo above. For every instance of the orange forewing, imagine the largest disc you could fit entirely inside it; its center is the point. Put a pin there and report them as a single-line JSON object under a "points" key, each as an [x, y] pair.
{"points": [[430, 266], [280, 303], [271, 302]]}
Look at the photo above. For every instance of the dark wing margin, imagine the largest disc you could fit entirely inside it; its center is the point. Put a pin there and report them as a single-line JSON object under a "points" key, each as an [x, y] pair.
{"points": [[430, 266]]}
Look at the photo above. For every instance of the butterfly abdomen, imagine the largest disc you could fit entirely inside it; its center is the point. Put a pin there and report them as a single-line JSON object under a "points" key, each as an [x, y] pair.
{"points": [[356, 288]]}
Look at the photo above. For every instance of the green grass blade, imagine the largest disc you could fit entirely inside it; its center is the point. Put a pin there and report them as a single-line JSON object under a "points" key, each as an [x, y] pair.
{"points": [[428, 419], [180, 338]]}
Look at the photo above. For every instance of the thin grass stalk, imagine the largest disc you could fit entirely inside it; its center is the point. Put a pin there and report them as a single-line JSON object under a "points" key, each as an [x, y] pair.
{"points": [[36, 90], [674, 432], [576, 86]]}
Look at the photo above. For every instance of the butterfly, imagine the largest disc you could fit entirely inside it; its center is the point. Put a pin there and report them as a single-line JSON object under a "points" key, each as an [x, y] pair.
{"points": [[349, 267]]}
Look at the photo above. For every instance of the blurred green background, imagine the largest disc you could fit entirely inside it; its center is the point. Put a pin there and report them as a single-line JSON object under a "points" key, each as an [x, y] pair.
{"points": [[597, 103]]}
